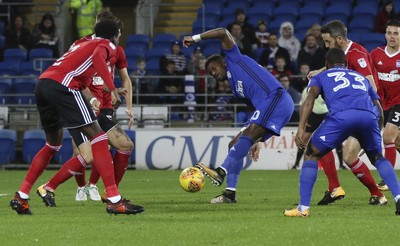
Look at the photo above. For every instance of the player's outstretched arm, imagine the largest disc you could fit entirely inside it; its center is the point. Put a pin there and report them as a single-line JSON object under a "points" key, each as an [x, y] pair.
{"points": [[227, 40]]}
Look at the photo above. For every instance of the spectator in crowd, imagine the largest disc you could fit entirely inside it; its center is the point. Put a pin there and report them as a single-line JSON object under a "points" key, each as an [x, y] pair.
{"points": [[281, 68], [193, 66], [141, 84], [177, 56], [315, 29], [83, 15], [288, 41], [17, 36], [243, 42], [170, 84], [301, 82], [248, 29], [262, 34], [384, 15], [223, 97], [44, 35], [312, 53], [267, 57], [294, 94]]}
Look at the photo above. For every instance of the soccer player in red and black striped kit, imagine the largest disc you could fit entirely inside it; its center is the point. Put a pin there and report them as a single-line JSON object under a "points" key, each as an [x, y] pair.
{"points": [[386, 60], [61, 104]]}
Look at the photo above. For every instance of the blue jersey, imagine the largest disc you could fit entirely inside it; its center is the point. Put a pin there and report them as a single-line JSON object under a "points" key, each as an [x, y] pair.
{"points": [[247, 79], [344, 89]]}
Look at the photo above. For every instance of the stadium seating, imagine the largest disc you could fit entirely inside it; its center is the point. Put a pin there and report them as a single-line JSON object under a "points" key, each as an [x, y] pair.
{"points": [[2, 27], [5, 88], [314, 3], [123, 119], [8, 139], [153, 66], [372, 40], [2, 41], [40, 53], [163, 40], [156, 52], [26, 68], [133, 53], [341, 12], [365, 10], [354, 36], [237, 4], [3, 116], [24, 86], [9, 68], [15, 54], [137, 40], [362, 24], [66, 151], [311, 12], [263, 9], [289, 3], [213, 9], [286, 12], [33, 141], [154, 117]]}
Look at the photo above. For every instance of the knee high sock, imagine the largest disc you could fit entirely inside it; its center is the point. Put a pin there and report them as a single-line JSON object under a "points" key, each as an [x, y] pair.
{"points": [[237, 152], [362, 172], [390, 153], [72, 167], [121, 160], [328, 164], [232, 178], [388, 175], [104, 164], [94, 175], [80, 178], [38, 165], [308, 176]]}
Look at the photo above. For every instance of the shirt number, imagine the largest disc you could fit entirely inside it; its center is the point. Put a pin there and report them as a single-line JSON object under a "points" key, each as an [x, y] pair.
{"points": [[339, 77]]}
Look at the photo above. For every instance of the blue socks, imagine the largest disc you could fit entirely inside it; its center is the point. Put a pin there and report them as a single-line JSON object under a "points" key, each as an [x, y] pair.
{"points": [[308, 176], [237, 152], [232, 178], [388, 175]]}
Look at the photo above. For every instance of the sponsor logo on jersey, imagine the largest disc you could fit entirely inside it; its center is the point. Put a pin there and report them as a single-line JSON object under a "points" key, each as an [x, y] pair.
{"points": [[239, 88], [393, 76], [397, 63], [362, 62]]}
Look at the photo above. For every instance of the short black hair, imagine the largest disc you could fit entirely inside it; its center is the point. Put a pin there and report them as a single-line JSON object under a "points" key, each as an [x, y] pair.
{"points": [[335, 56], [216, 58], [393, 22], [106, 29], [104, 14]]}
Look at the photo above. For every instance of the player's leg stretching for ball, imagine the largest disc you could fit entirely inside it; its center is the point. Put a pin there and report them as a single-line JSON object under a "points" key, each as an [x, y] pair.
{"points": [[267, 121]]}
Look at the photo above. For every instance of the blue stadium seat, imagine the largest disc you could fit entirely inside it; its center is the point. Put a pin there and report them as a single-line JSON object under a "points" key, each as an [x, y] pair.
{"points": [[288, 12], [230, 10], [305, 22], [137, 40], [8, 139], [237, 4], [312, 11], [5, 88], [372, 40], [15, 54], [9, 68], [40, 53], [329, 18], [24, 86], [66, 151], [316, 3], [354, 36], [163, 39], [156, 52], [153, 66], [211, 50], [214, 10], [344, 3], [275, 24], [32, 142], [26, 68], [365, 10], [289, 3], [340, 12], [227, 20], [132, 136], [133, 52], [209, 23], [363, 24]]}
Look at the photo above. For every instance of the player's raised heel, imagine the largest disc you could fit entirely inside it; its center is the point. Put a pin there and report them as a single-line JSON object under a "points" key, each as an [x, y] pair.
{"points": [[378, 200], [215, 177], [329, 197], [47, 196]]}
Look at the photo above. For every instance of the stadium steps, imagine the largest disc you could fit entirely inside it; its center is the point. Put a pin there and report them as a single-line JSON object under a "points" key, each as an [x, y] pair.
{"points": [[178, 18]]}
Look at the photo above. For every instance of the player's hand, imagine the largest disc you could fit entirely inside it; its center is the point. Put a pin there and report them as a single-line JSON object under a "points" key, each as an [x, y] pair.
{"points": [[115, 99], [255, 152], [131, 118], [299, 139], [96, 105], [188, 41], [122, 91]]}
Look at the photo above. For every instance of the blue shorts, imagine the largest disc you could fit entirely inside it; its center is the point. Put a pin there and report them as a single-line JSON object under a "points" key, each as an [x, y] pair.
{"points": [[336, 128], [273, 112]]}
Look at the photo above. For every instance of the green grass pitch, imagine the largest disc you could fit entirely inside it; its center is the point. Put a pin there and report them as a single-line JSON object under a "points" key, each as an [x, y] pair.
{"points": [[175, 217]]}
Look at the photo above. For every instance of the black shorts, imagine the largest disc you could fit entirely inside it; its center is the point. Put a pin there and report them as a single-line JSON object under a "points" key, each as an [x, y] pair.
{"points": [[60, 106], [105, 119], [314, 121], [392, 115]]}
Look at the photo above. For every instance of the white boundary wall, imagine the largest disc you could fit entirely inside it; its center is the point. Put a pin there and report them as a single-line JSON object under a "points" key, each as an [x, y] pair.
{"points": [[171, 149]]}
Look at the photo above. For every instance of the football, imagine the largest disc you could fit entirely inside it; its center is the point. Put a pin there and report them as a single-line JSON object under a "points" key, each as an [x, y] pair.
{"points": [[191, 179]]}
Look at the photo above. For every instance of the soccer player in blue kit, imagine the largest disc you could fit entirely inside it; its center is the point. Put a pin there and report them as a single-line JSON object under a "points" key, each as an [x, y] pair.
{"points": [[258, 88], [354, 110]]}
